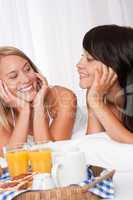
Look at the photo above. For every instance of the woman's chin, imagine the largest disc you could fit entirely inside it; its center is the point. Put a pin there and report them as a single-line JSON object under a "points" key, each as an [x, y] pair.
{"points": [[29, 97], [84, 85]]}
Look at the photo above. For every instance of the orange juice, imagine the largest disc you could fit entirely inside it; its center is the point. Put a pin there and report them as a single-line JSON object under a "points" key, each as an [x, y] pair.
{"points": [[17, 162], [41, 160]]}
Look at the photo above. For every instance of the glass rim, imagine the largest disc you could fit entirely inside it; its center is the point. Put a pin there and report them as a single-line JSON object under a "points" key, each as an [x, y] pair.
{"points": [[41, 142], [38, 149], [10, 148]]}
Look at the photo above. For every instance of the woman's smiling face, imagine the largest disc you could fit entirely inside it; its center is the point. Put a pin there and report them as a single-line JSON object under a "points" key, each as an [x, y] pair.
{"points": [[86, 69], [19, 77]]}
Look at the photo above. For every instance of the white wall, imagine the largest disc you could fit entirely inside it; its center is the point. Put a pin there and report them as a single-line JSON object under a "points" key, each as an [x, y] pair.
{"points": [[51, 31]]}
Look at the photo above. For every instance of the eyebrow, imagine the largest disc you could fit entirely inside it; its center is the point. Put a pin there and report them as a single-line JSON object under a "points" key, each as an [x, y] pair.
{"points": [[14, 71]]}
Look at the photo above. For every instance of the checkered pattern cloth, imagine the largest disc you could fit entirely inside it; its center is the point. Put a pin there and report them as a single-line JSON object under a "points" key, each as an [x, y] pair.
{"points": [[8, 195], [104, 189]]}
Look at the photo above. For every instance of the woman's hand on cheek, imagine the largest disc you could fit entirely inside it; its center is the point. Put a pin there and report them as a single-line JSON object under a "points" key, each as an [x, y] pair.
{"points": [[10, 99], [42, 92], [104, 79]]}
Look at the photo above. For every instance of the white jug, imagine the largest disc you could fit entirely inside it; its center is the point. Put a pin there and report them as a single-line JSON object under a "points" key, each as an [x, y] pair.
{"points": [[69, 168]]}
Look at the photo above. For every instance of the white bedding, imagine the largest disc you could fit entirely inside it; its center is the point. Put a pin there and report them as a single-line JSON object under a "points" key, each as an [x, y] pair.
{"points": [[102, 151]]}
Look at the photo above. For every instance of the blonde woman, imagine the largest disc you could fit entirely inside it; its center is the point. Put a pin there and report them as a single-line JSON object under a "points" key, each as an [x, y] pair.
{"points": [[28, 106]]}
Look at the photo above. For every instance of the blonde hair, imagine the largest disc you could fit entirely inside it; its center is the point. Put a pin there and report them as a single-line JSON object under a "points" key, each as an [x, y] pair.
{"points": [[4, 108]]}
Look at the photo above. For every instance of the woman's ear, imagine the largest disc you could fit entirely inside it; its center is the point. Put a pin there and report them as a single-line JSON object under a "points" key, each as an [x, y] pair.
{"points": [[45, 80], [39, 85]]}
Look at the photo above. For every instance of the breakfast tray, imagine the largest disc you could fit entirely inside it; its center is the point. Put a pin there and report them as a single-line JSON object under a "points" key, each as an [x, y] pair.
{"points": [[61, 194], [73, 192]]}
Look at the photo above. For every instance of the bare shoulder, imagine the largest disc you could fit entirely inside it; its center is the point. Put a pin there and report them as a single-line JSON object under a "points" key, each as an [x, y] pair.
{"points": [[61, 95], [4, 132], [56, 90], [61, 98]]}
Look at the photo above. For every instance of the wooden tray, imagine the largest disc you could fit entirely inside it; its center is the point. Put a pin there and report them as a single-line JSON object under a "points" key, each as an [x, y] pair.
{"points": [[45, 195], [74, 192]]}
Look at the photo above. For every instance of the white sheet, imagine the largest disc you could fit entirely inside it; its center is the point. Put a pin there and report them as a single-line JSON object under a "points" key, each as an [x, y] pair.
{"points": [[102, 151]]}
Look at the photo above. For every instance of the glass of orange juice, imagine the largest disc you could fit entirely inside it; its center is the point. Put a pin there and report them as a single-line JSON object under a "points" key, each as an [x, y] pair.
{"points": [[40, 158], [17, 160]]}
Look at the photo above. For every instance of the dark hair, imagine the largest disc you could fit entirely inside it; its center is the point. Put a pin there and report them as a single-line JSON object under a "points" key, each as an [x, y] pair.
{"points": [[113, 46]]}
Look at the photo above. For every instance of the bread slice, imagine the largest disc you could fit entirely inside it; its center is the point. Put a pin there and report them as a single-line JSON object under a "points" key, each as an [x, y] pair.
{"points": [[23, 181], [13, 185], [23, 177]]}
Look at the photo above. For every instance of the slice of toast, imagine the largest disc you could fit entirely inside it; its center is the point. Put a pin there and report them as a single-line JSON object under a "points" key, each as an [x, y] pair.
{"points": [[13, 185], [23, 181], [23, 177]]}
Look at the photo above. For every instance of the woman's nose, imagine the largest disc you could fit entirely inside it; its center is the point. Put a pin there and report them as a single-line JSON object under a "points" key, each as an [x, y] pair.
{"points": [[81, 61], [80, 64], [24, 78]]}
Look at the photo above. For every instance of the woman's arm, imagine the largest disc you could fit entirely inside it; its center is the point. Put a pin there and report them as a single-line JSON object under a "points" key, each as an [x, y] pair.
{"points": [[114, 128], [19, 134], [41, 130], [93, 124], [40, 118], [95, 98]]}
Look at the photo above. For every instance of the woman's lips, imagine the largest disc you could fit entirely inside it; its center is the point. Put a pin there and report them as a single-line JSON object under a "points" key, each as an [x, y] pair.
{"points": [[81, 75], [26, 89]]}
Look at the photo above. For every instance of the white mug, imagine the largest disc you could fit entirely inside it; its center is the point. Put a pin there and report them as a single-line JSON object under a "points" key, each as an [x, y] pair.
{"points": [[69, 168]]}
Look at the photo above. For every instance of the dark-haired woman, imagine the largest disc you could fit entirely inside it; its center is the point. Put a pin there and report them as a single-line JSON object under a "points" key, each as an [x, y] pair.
{"points": [[106, 71]]}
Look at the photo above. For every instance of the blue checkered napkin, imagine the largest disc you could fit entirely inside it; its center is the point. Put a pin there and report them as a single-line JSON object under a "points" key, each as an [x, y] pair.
{"points": [[5, 175], [7, 195], [103, 189]]}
